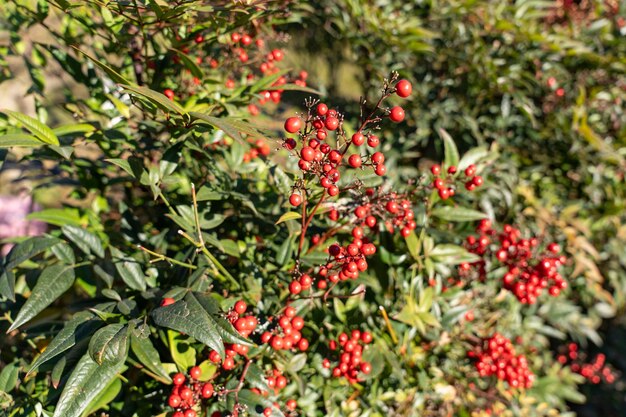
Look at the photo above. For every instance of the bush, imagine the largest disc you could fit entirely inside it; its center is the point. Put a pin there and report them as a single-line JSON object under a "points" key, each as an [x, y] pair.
{"points": [[217, 237]]}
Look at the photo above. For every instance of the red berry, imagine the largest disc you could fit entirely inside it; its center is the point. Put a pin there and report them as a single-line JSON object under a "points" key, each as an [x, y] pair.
{"points": [[397, 114], [178, 379], [207, 390], [322, 109], [295, 199], [297, 323], [291, 404], [373, 141], [167, 301], [277, 54], [358, 139], [241, 307], [332, 123], [277, 343], [366, 368], [380, 170], [214, 357], [470, 170], [293, 124], [477, 180], [435, 169], [404, 88], [169, 93], [303, 344], [378, 158], [354, 160], [174, 401], [186, 394], [195, 372], [307, 153], [190, 413], [295, 287]]}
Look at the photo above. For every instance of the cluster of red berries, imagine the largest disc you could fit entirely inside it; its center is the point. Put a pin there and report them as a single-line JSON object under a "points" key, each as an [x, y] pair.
{"points": [[595, 371], [444, 183], [186, 394], [259, 148], [319, 157], [346, 262], [530, 270], [245, 325], [496, 357], [287, 334], [349, 356], [394, 209], [277, 382], [244, 56]]}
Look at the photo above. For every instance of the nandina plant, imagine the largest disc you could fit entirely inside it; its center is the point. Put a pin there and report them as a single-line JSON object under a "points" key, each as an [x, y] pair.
{"points": [[202, 261]]}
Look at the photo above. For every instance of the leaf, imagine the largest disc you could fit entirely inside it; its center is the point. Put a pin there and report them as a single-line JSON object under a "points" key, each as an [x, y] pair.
{"points": [[457, 214], [149, 357], [72, 128], [452, 254], [21, 252], [156, 98], [85, 240], [115, 76], [79, 327], [413, 245], [19, 139], [473, 156], [34, 126], [85, 383], [51, 284], [294, 87], [290, 215], [58, 217], [189, 317], [104, 398], [229, 126], [183, 354], [256, 377], [8, 377], [450, 151], [129, 270], [109, 345], [189, 63]]}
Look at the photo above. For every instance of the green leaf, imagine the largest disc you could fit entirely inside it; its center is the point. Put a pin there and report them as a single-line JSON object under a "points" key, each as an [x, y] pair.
{"points": [[19, 139], [230, 126], [189, 63], [78, 328], [149, 357], [290, 215], [450, 151], [85, 240], [189, 317], [115, 76], [182, 352], [58, 217], [129, 270], [34, 126], [21, 252], [109, 345], [8, 377], [85, 383], [473, 156], [294, 87], [452, 254], [104, 398], [457, 214], [156, 98], [72, 128], [256, 377], [51, 284], [413, 245]]}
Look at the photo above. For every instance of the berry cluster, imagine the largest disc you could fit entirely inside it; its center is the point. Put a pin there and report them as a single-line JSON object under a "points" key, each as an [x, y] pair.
{"points": [[595, 371], [496, 357], [530, 270], [349, 356], [287, 334], [186, 394], [321, 158], [245, 325], [395, 210], [276, 381], [445, 183]]}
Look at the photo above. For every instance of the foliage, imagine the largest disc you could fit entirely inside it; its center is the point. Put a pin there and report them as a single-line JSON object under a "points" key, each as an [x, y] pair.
{"points": [[178, 264]]}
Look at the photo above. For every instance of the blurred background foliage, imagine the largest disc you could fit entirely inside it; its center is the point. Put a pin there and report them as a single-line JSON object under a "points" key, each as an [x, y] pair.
{"points": [[542, 84]]}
